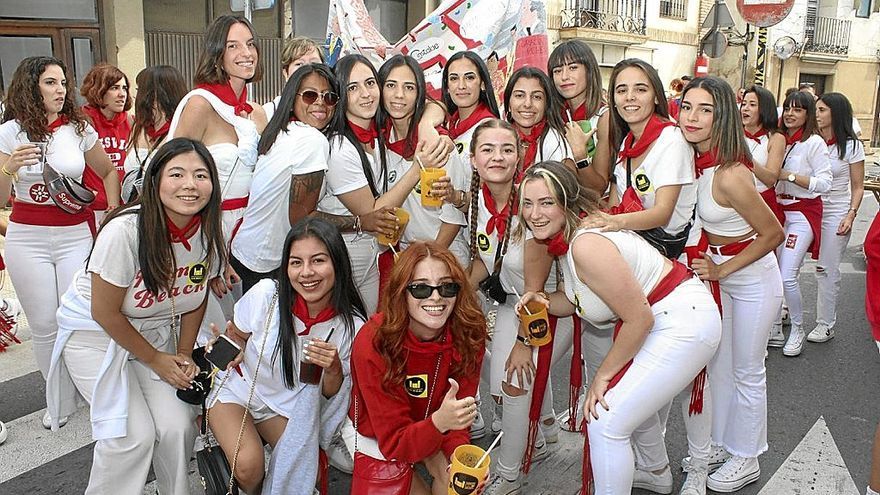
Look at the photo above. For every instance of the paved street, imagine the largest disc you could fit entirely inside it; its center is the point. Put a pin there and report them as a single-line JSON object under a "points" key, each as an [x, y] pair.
{"points": [[823, 410]]}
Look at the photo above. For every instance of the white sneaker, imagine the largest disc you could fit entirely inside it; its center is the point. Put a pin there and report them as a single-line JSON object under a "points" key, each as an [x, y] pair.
{"points": [[3, 433], [777, 338], [339, 456], [47, 421], [551, 431], [717, 457], [478, 428], [736, 473], [497, 412], [541, 452], [500, 486], [657, 483], [695, 483], [795, 343], [821, 333]]}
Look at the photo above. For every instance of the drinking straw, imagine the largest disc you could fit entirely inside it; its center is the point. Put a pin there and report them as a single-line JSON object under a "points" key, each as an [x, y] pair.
{"points": [[486, 454], [519, 297]]}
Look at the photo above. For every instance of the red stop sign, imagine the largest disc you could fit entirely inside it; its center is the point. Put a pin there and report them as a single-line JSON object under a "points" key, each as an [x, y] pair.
{"points": [[764, 13]]}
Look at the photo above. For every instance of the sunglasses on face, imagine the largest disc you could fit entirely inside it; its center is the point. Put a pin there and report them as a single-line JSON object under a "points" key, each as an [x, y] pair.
{"points": [[309, 96], [424, 291]]}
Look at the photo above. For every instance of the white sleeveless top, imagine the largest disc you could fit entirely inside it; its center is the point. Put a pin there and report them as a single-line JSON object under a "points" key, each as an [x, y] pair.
{"points": [[646, 263], [717, 219], [760, 155]]}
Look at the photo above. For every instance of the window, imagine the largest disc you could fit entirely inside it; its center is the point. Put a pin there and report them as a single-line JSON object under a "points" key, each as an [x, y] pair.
{"points": [[673, 9], [864, 8]]}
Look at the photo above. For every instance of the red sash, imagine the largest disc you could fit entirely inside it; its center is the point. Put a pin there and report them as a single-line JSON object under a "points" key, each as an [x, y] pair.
{"points": [[812, 210], [769, 196], [50, 216], [872, 277]]}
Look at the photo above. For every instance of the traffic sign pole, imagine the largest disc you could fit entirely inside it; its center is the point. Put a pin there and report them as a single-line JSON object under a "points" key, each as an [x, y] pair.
{"points": [[761, 57]]}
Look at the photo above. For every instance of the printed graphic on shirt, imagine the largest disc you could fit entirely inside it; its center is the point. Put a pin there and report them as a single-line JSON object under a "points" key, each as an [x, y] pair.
{"points": [[459, 147], [197, 273], [417, 386], [463, 483], [188, 280], [39, 193], [577, 305], [483, 242], [791, 242], [642, 183], [392, 177]]}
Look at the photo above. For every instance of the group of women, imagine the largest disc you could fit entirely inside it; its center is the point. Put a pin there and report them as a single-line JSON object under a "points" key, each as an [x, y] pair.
{"points": [[270, 217]]}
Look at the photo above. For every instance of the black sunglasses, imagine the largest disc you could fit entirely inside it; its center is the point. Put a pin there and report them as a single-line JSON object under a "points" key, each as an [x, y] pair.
{"points": [[330, 98], [424, 291]]}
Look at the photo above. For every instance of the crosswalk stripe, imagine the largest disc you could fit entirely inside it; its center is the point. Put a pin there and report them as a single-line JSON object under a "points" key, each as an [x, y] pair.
{"points": [[18, 360], [30, 445]]}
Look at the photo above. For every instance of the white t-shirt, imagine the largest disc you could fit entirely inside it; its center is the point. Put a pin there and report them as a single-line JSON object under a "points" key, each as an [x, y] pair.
{"points": [[669, 162], [270, 106], [300, 150], [760, 155], [808, 158], [855, 153], [346, 174], [65, 153], [553, 147], [251, 312]]}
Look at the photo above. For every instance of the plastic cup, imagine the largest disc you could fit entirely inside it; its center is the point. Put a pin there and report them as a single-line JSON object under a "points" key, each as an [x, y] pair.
{"points": [[402, 220], [591, 143], [427, 178], [310, 372], [536, 324], [464, 474], [42, 160]]}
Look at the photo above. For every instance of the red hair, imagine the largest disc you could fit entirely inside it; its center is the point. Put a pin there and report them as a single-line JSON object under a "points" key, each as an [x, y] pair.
{"points": [[100, 79], [467, 323]]}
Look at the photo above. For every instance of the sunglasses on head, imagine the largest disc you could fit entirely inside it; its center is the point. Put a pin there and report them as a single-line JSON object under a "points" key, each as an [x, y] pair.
{"points": [[310, 96], [424, 291]]}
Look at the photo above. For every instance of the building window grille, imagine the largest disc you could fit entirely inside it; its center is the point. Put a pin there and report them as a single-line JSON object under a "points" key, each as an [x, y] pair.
{"points": [[673, 9]]}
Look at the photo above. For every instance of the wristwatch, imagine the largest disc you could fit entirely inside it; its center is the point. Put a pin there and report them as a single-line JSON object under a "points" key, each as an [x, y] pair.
{"points": [[525, 340], [791, 177]]}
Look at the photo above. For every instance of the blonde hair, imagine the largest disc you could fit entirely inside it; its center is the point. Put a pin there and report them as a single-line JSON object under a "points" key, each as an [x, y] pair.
{"points": [[295, 47]]}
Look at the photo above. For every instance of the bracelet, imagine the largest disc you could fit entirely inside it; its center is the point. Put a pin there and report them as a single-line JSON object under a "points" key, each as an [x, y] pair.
{"points": [[581, 164], [461, 200], [543, 294], [7, 173], [357, 225], [854, 210], [524, 340]]}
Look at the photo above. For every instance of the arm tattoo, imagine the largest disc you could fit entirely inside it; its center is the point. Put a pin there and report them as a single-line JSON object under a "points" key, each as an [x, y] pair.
{"points": [[344, 223], [302, 185]]}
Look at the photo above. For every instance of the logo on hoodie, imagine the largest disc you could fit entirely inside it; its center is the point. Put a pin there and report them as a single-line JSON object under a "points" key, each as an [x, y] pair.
{"points": [[417, 386]]}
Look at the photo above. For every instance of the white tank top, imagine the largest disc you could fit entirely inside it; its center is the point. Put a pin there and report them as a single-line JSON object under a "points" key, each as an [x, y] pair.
{"points": [[717, 219], [759, 151]]}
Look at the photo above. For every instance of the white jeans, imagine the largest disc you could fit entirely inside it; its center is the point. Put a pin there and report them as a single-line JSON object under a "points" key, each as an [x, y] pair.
{"points": [[686, 333], [798, 237], [363, 253], [752, 299], [160, 426], [41, 262], [834, 210]]}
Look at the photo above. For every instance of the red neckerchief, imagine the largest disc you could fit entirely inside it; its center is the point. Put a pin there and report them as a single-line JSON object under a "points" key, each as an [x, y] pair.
{"points": [[702, 161], [458, 127], [301, 311], [578, 114], [756, 137], [531, 142], [227, 96], [832, 141], [652, 131], [403, 147], [57, 123], [364, 136], [183, 235], [794, 138], [157, 134], [442, 344], [557, 245], [498, 219]]}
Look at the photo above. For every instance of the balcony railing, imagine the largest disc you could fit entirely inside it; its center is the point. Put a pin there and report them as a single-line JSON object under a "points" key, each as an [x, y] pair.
{"points": [[623, 16], [829, 36]]}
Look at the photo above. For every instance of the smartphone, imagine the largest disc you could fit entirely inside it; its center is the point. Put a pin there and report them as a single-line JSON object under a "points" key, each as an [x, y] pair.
{"points": [[222, 352]]}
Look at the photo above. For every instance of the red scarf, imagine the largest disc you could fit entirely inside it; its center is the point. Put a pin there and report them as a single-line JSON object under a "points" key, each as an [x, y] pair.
{"points": [[57, 123], [436, 346], [498, 220], [403, 147], [794, 138], [832, 141], [301, 311], [458, 127], [364, 136], [158, 134], [578, 114], [184, 234], [557, 245], [531, 142], [633, 148], [756, 137], [227, 96], [702, 161]]}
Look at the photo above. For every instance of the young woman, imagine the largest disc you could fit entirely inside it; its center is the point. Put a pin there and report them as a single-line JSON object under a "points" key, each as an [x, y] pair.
{"points": [[468, 97], [805, 175], [416, 368], [289, 174], [532, 107], [766, 143], [666, 325], [128, 323], [45, 245], [295, 52], [839, 207], [357, 174], [578, 82], [518, 372], [108, 98], [159, 90], [316, 325], [742, 234]]}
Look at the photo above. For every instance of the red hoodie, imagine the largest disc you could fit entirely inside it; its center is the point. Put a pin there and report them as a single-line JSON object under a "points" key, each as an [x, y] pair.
{"points": [[397, 420], [113, 136]]}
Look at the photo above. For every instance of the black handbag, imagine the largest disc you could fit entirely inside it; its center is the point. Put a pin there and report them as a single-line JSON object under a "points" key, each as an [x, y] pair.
{"points": [[201, 384], [213, 467], [492, 287], [669, 245]]}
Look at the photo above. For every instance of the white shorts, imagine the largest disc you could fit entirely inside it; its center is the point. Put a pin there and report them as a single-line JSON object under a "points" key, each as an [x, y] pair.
{"points": [[258, 409]]}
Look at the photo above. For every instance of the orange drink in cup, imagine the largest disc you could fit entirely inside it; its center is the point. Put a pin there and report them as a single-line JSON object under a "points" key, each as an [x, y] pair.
{"points": [[427, 178], [464, 474], [533, 317], [402, 220]]}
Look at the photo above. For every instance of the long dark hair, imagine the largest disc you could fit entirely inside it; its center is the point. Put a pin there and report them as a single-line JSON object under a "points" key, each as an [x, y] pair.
{"points": [[552, 108], [155, 252], [487, 95], [345, 299], [210, 67], [159, 88], [767, 115], [24, 101], [801, 99], [280, 119], [841, 120], [577, 51], [421, 96], [619, 127], [339, 128]]}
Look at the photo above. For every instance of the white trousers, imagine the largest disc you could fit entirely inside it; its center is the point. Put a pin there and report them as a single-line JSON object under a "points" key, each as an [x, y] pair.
{"points": [[363, 253], [42, 262], [752, 299], [686, 333], [160, 426], [798, 237], [834, 210]]}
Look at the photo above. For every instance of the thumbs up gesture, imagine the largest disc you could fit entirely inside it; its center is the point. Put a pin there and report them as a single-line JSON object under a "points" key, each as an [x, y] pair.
{"points": [[454, 413]]}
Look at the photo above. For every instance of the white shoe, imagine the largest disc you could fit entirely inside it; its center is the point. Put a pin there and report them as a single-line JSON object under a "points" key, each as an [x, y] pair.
{"points": [[541, 452], [785, 316], [500, 486], [795, 344], [777, 338], [478, 428], [3, 433], [47, 421], [717, 457], [497, 413], [551, 431], [821, 334], [657, 483], [695, 483], [736, 473], [339, 456]]}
